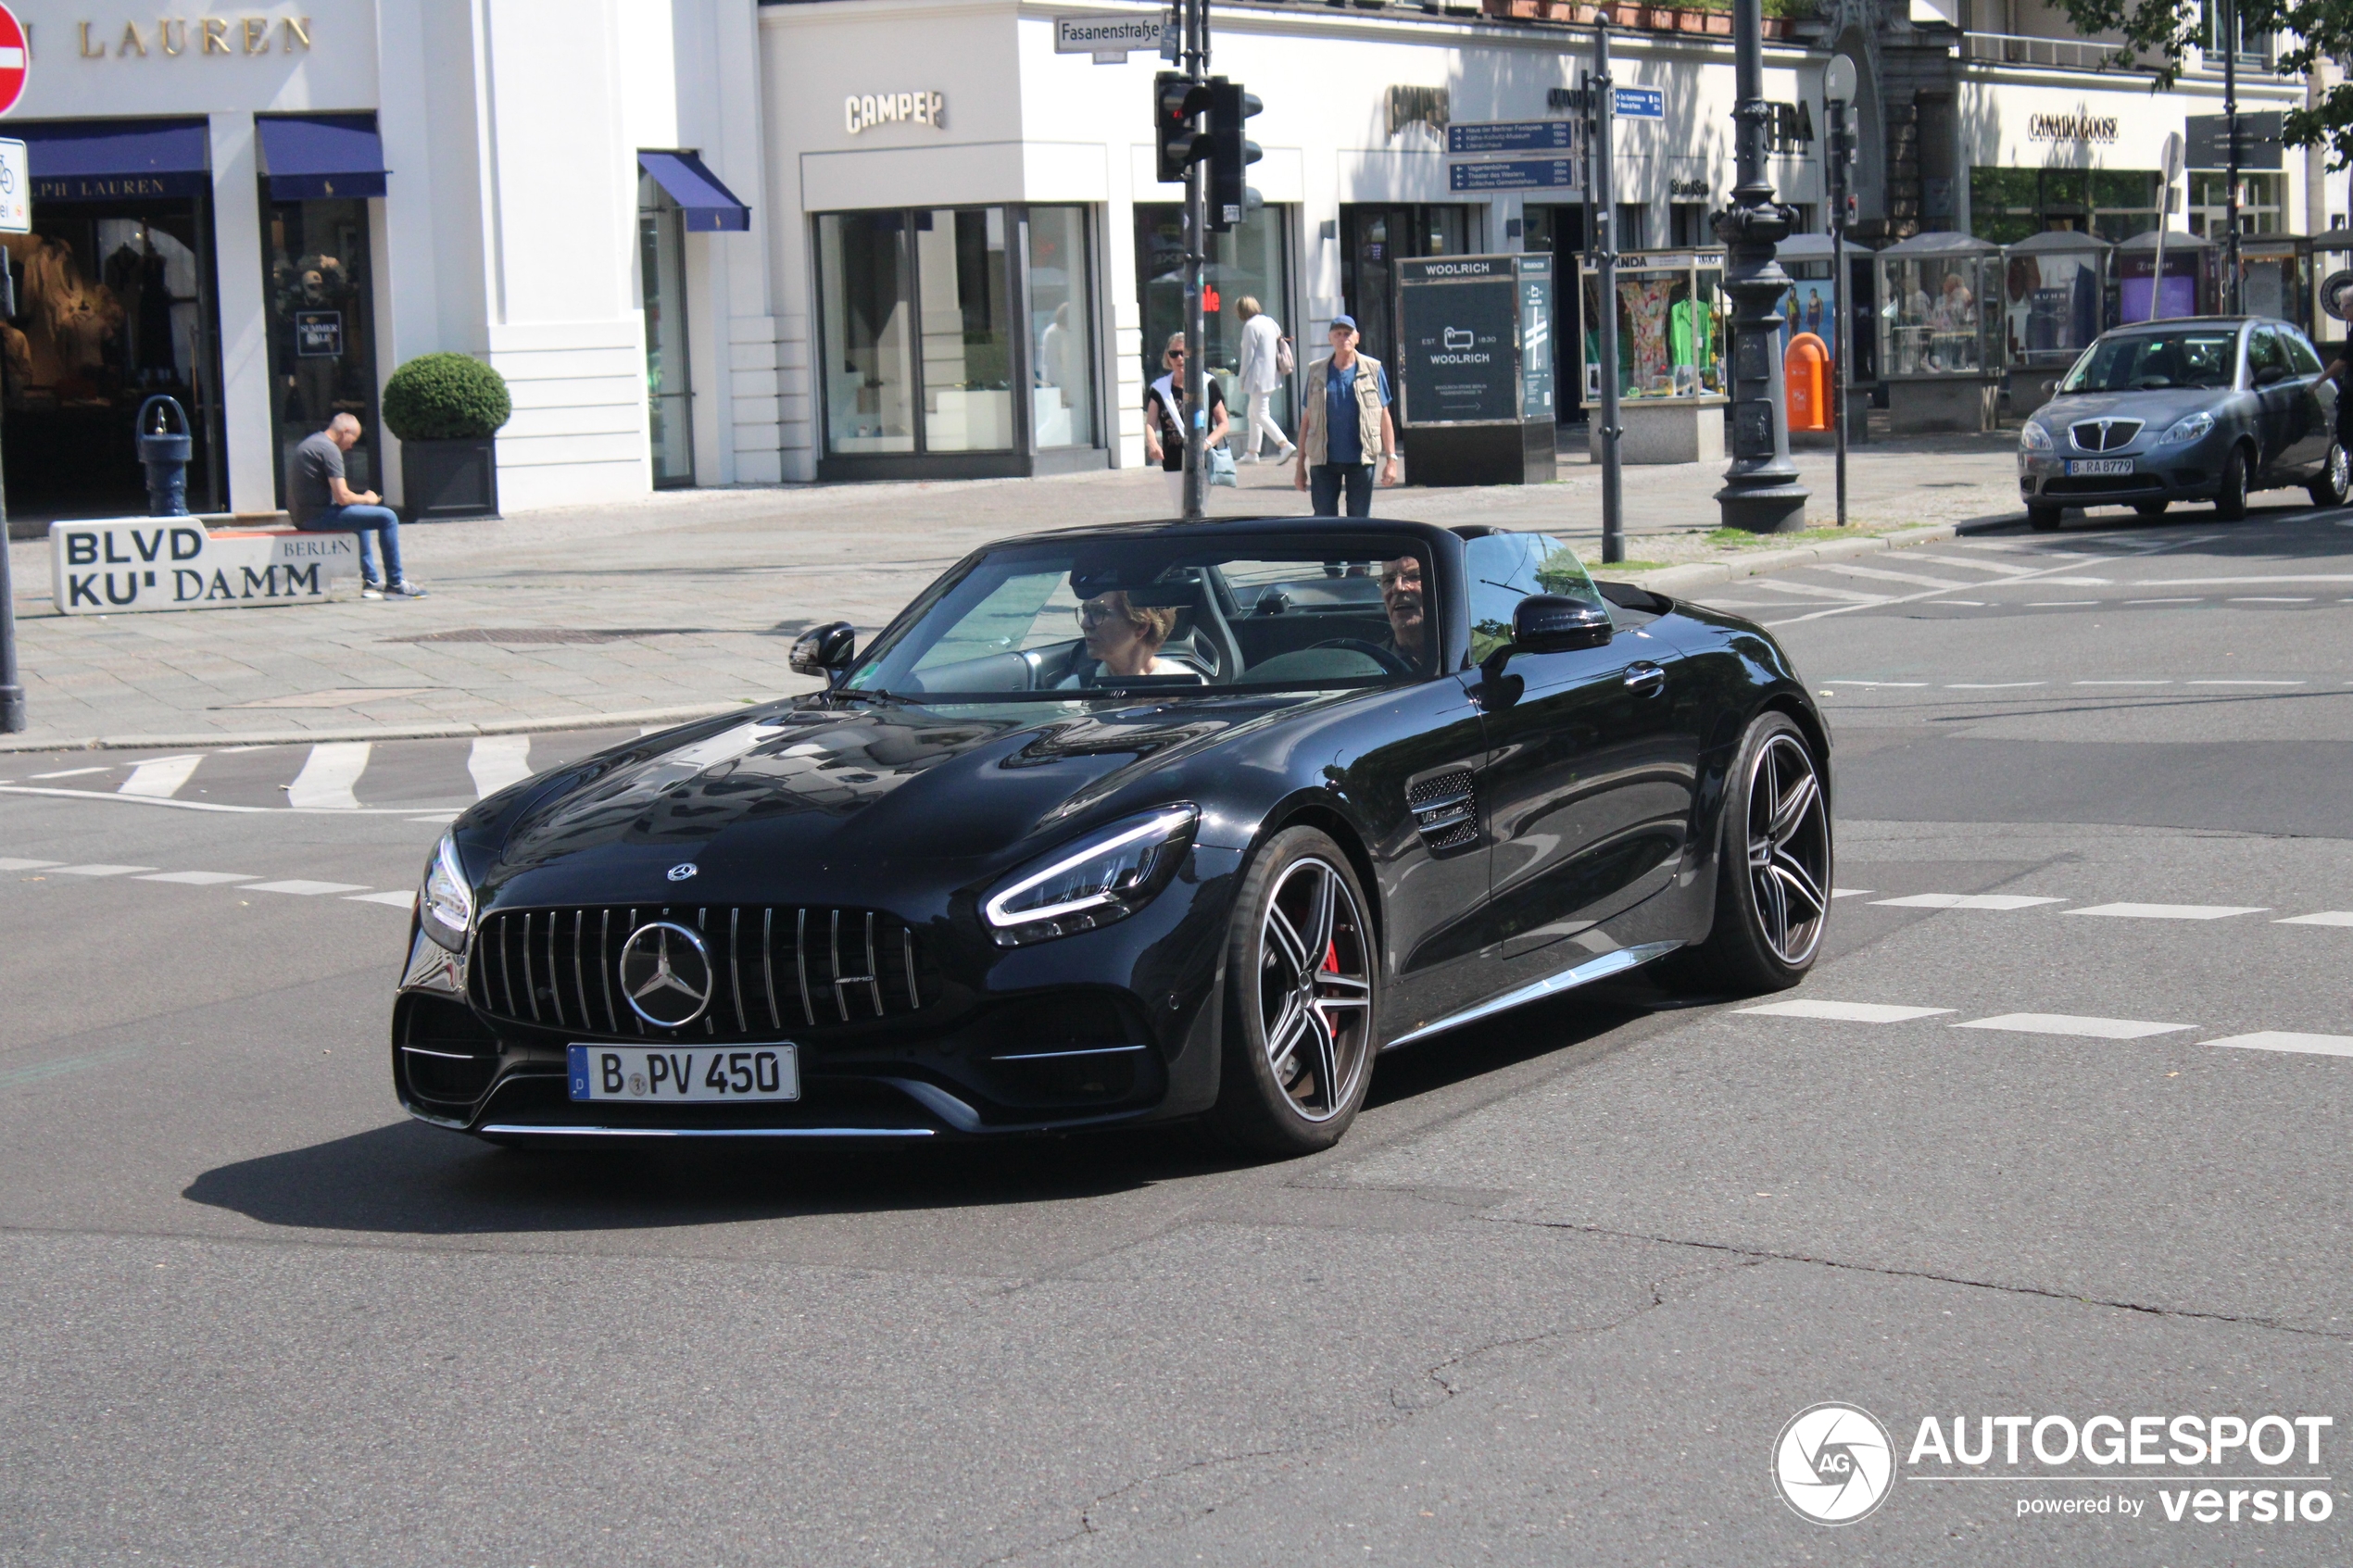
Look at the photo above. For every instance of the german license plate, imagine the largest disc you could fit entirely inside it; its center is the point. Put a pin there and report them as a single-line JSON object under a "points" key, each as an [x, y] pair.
{"points": [[2099, 465], [649, 1075]]}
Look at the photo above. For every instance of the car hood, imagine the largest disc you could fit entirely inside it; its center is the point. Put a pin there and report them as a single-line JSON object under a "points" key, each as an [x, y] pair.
{"points": [[799, 803], [2158, 411]]}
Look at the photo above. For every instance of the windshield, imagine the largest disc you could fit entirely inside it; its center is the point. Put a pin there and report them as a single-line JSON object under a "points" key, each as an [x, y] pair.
{"points": [[2195, 357], [1066, 619]]}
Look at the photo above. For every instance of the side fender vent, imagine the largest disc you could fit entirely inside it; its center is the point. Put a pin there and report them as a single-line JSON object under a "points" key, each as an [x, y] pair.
{"points": [[1445, 808]]}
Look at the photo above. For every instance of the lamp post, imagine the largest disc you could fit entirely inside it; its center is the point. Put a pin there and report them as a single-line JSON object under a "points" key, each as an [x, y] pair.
{"points": [[1838, 94], [1761, 493]]}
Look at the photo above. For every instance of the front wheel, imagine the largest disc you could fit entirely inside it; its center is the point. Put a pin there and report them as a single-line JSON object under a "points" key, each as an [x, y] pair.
{"points": [[1303, 990], [2229, 501], [2336, 479], [1773, 869]]}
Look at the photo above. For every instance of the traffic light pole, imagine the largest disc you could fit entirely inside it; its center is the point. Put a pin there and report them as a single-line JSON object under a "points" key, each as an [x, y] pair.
{"points": [[1195, 280], [1842, 142], [1601, 107], [12, 718], [2230, 24]]}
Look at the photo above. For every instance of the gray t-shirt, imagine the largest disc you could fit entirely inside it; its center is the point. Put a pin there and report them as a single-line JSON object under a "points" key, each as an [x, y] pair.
{"points": [[316, 461]]}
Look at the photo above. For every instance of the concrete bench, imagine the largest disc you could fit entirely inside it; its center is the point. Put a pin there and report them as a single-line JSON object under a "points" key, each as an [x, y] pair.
{"points": [[123, 566]]}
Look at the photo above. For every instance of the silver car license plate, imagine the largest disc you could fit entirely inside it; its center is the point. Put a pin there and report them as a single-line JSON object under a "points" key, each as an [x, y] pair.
{"points": [[2098, 465], [706, 1076]]}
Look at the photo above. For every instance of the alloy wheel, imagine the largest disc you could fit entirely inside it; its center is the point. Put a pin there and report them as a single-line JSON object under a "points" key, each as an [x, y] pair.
{"points": [[1314, 989], [2340, 473], [1789, 850]]}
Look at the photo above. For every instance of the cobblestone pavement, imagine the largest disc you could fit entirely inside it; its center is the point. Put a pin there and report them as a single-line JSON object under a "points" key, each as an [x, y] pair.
{"points": [[687, 602]]}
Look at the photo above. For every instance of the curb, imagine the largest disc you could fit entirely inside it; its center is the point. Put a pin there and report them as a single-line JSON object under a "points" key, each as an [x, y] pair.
{"points": [[443, 729], [1670, 580]]}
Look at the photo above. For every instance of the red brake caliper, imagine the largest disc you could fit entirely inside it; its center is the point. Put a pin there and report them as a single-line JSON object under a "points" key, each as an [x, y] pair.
{"points": [[1331, 958]]}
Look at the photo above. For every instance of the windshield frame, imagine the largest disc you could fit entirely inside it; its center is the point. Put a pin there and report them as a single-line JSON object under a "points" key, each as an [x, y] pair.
{"points": [[2069, 387], [1317, 540]]}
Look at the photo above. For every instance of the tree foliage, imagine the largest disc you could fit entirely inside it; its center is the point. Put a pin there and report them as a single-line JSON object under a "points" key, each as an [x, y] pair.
{"points": [[2163, 34]]}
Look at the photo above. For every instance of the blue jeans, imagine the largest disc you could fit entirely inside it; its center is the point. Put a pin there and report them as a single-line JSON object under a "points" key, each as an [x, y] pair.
{"points": [[364, 521], [1323, 482]]}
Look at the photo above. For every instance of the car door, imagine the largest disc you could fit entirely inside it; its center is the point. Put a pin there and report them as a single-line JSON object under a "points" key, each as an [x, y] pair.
{"points": [[1593, 755], [2278, 399], [2316, 404]]}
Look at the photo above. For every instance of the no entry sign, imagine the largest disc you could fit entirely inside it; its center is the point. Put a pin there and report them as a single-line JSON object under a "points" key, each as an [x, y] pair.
{"points": [[14, 60]]}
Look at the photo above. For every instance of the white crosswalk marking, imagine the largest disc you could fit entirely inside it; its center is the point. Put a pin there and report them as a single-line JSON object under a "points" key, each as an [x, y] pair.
{"points": [[1845, 1013], [1848, 892], [1815, 591], [159, 778], [197, 878], [497, 761], [308, 890], [2326, 916], [2277, 1040], [1966, 901], [2069, 1023], [396, 900], [1880, 573], [328, 775], [101, 871], [7, 865], [2170, 912], [2001, 568]]}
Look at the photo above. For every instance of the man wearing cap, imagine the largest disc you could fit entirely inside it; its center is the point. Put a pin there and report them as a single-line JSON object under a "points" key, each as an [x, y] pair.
{"points": [[1347, 402]]}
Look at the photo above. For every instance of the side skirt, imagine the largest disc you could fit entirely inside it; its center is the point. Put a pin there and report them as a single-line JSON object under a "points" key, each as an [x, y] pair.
{"points": [[1569, 979]]}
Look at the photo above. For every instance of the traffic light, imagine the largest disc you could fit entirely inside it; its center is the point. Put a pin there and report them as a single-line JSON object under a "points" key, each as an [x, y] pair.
{"points": [[1176, 100], [1230, 153]]}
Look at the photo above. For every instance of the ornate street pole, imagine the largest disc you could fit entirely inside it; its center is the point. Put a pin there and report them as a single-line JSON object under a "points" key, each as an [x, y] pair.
{"points": [[1761, 492], [1602, 105], [1196, 482]]}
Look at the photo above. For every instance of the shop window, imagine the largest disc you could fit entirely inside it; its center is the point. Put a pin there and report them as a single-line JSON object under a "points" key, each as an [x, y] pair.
{"points": [[1633, 226], [2009, 205], [1062, 346], [322, 341], [1376, 239], [868, 292], [1251, 261], [2260, 203], [1559, 232], [1687, 225], [967, 342], [661, 278]]}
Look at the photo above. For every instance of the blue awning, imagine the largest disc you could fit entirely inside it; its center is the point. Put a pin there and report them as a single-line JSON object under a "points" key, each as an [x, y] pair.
{"points": [[115, 159], [310, 157], [709, 204]]}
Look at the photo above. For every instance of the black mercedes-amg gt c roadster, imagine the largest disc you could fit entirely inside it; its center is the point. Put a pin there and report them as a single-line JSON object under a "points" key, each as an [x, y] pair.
{"points": [[1128, 824]]}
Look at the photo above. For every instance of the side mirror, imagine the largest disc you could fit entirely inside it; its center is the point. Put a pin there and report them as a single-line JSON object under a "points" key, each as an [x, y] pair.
{"points": [[1550, 623], [2270, 375], [825, 650]]}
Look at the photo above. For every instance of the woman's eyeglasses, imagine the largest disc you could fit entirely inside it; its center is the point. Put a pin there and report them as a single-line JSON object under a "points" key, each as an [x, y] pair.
{"points": [[1093, 612]]}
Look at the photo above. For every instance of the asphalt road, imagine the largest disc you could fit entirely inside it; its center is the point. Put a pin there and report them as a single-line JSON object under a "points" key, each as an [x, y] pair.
{"points": [[1553, 1301]]}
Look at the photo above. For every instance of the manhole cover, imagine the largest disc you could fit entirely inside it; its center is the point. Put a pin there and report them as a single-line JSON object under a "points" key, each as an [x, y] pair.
{"points": [[521, 636]]}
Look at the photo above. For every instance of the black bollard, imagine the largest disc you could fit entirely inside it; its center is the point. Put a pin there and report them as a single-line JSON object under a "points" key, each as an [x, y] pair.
{"points": [[166, 455]]}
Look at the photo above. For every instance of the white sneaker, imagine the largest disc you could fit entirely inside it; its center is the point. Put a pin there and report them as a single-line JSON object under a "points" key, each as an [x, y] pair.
{"points": [[372, 590]]}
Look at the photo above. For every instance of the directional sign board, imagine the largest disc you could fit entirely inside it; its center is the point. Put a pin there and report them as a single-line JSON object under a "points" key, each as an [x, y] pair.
{"points": [[2210, 140], [1642, 103], [1113, 34], [15, 189], [1514, 174], [1512, 136], [16, 55]]}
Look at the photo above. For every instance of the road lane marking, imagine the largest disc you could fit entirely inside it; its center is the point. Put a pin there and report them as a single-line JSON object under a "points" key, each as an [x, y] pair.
{"points": [[2265, 599], [1917, 579], [196, 879], [2280, 1040], [2001, 568], [2170, 911], [2124, 683], [1835, 892], [17, 1077], [2069, 1023], [1844, 1013], [1818, 590], [101, 871], [2078, 583], [2326, 916], [308, 890], [1965, 901], [2246, 683], [328, 775], [161, 777], [1907, 686], [2236, 582], [71, 772], [396, 900], [497, 761], [2188, 601], [210, 805], [2058, 604], [2043, 573], [11, 865], [1992, 686]]}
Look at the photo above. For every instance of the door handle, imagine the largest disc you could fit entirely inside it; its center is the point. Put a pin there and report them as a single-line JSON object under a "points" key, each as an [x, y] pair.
{"points": [[1647, 679]]}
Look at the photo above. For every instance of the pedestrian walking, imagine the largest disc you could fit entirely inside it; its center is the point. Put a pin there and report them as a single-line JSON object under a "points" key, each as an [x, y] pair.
{"points": [[321, 502], [1346, 437], [1165, 421], [1266, 363]]}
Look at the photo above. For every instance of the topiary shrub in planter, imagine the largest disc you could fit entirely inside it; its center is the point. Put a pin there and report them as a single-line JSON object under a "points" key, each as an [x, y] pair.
{"points": [[446, 409]]}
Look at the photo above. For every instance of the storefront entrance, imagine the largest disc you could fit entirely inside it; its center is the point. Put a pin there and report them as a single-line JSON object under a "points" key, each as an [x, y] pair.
{"points": [[1373, 239], [661, 275], [1248, 262], [1559, 233], [322, 348], [930, 317]]}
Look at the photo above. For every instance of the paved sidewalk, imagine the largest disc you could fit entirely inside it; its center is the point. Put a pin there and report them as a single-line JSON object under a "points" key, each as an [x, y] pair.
{"points": [[688, 601]]}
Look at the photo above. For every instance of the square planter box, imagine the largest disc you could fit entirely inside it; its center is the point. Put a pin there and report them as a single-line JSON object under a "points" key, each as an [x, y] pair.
{"points": [[446, 479]]}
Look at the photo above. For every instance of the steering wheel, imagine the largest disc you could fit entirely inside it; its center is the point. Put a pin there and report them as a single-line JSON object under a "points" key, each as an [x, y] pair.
{"points": [[1388, 658]]}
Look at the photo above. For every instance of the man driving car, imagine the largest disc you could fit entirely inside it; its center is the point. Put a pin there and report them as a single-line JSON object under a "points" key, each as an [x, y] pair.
{"points": [[1401, 597]]}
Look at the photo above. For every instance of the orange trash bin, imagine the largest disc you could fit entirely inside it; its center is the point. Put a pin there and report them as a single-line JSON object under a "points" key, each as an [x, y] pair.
{"points": [[1806, 381]]}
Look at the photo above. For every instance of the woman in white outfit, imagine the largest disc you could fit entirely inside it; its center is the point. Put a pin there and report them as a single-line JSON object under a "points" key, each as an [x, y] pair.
{"points": [[1260, 378]]}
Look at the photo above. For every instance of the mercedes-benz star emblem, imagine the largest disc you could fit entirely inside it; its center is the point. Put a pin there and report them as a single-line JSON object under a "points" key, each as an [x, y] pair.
{"points": [[684, 869], [665, 974]]}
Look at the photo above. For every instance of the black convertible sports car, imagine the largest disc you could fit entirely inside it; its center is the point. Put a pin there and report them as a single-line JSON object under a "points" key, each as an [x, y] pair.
{"points": [[1128, 824]]}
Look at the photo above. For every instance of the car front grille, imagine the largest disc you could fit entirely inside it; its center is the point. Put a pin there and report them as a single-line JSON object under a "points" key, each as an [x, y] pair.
{"points": [[2103, 435], [2102, 485], [772, 967]]}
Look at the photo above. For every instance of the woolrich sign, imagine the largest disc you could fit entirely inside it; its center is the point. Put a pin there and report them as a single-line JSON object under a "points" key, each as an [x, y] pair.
{"points": [[119, 565]]}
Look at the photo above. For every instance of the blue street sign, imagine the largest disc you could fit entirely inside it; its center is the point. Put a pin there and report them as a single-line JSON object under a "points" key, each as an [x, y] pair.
{"points": [[1512, 136], [1514, 174], [1642, 103]]}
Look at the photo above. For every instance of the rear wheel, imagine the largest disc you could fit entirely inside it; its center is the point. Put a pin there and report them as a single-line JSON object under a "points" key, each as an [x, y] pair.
{"points": [[1302, 994], [1773, 869], [2043, 520], [2229, 501], [2151, 508], [2336, 479]]}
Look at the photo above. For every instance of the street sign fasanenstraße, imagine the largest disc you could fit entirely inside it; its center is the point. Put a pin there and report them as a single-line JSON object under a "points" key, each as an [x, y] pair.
{"points": [[1113, 33]]}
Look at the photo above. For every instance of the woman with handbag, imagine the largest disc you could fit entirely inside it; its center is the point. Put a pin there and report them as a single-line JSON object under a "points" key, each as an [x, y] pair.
{"points": [[1165, 417], [1266, 363]]}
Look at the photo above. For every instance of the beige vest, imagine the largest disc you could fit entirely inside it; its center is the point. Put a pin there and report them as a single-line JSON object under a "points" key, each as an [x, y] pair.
{"points": [[1368, 407]]}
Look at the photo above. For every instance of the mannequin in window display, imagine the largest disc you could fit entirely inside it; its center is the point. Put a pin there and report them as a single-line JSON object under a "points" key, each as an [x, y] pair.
{"points": [[319, 285], [70, 321], [1643, 324]]}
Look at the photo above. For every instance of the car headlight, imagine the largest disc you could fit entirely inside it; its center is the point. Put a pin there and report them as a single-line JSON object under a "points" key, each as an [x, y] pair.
{"points": [[445, 903], [2189, 429], [2033, 437], [1102, 878]]}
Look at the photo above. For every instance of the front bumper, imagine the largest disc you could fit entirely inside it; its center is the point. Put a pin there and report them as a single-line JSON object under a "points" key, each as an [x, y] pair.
{"points": [[1114, 1025], [2186, 471]]}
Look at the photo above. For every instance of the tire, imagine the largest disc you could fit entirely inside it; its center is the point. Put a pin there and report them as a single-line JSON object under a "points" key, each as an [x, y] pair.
{"points": [[1773, 875], [2229, 501], [2043, 520], [2151, 508], [2336, 479], [1301, 1024]]}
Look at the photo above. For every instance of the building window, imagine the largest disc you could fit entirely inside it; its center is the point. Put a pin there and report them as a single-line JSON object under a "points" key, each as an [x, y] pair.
{"points": [[661, 271], [322, 352], [2255, 48], [1687, 225], [1250, 262], [2261, 194], [2008, 204], [1373, 240], [1062, 346], [1633, 226]]}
